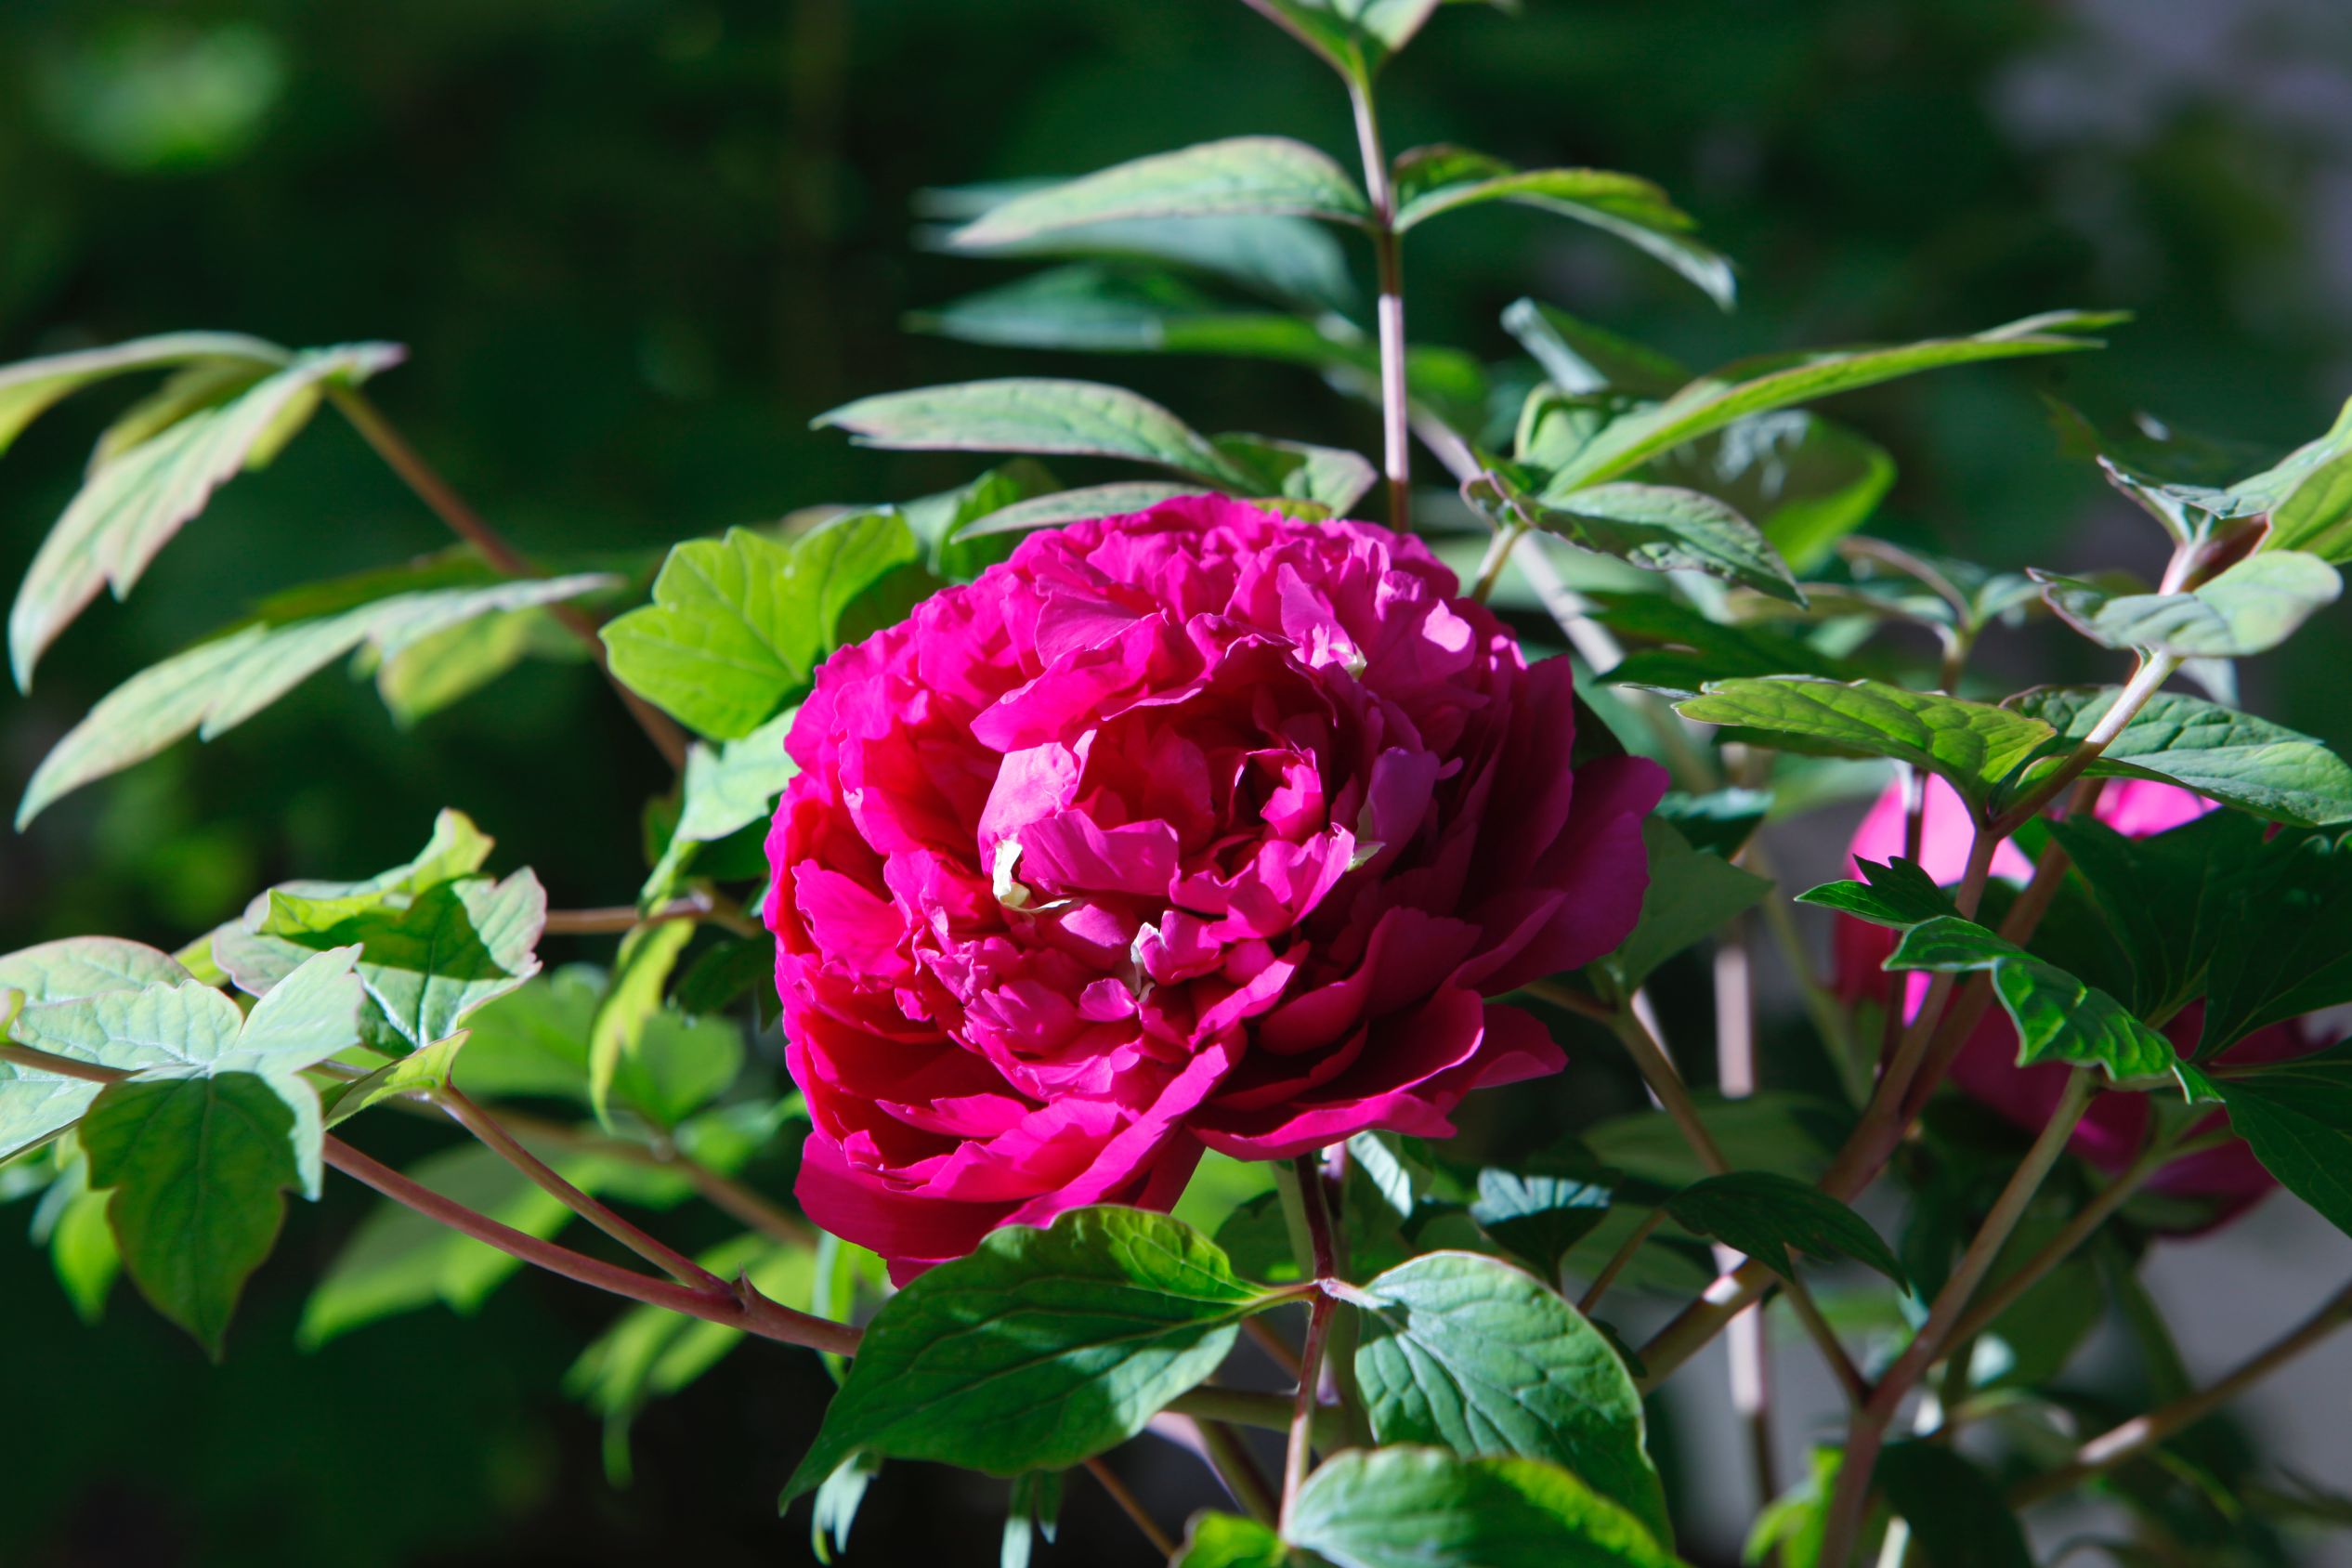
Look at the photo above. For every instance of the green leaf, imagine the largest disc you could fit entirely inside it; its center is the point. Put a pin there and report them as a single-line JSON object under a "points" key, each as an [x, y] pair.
{"points": [[1578, 357], [1690, 897], [631, 1001], [1327, 476], [1296, 261], [1355, 37], [1227, 1540], [86, 966], [2296, 1117], [197, 1166], [726, 789], [1541, 1214], [2236, 758], [31, 387], [1072, 505], [1898, 894], [1472, 1353], [1764, 1216], [1957, 1515], [738, 625], [436, 672], [1240, 175], [1973, 745], [1751, 388], [2059, 1017], [1424, 1508], [1659, 528], [2169, 898], [1093, 309], [1431, 180], [1805, 481], [2309, 495], [1794, 1134], [1696, 649], [2287, 951], [218, 685], [1040, 1349], [1078, 418], [82, 1249], [133, 504], [420, 1072], [2249, 608], [429, 960]]}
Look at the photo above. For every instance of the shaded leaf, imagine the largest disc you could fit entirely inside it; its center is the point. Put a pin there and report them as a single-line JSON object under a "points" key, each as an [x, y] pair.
{"points": [[1040, 1349], [1072, 505], [1424, 1508], [197, 1166], [1471, 1353], [1659, 528], [1690, 897], [1764, 1216], [1957, 1514], [2059, 1017], [2287, 951], [1898, 894], [632, 998], [1329, 476], [725, 790], [1227, 1540]]}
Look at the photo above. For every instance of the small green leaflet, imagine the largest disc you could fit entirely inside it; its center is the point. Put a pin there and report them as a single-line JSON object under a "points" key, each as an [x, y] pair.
{"points": [[1736, 391], [725, 789], [1578, 357], [1088, 309], [1660, 528], [738, 625], [1431, 180], [534, 1041], [1355, 37], [631, 1001], [197, 1166], [1293, 261], [2170, 898], [135, 501], [1326, 477], [1691, 895], [1973, 745], [218, 685], [1227, 1540], [1425, 1507], [1472, 1353], [2059, 1017], [428, 960], [1241, 174], [1898, 894], [2251, 607], [1034, 414], [2236, 758], [1805, 481], [1033, 1509], [1763, 1215], [1040, 1349], [2297, 1119], [2286, 950], [2309, 495], [1541, 1214]]}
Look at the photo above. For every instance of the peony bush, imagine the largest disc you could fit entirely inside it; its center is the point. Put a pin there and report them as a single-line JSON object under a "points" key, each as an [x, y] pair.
{"points": [[1087, 911]]}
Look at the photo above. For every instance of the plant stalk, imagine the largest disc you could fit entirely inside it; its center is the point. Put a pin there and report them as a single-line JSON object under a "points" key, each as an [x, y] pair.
{"points": [[1321, 1264], [1868, 1430], [1396, 412]]}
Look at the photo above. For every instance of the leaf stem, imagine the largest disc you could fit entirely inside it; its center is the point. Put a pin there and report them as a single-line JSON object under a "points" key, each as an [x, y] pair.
{"points": [[1618, 1260], [1868, 1428], [1321, 1264], [2137, 1435], [1658, 1071], [736, 1306], [469, 525], [1388, 252], [612, 920], [471, 1116], [1132, 1506], [2154, 670]]}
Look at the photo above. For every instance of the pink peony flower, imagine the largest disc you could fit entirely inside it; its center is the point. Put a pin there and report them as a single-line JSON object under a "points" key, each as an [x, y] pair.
{"points": [[2111, 1133], [1199, 828]]}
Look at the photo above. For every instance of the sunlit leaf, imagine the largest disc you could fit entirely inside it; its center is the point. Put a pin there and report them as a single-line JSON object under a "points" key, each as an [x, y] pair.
{"points": [[1239, 175]]}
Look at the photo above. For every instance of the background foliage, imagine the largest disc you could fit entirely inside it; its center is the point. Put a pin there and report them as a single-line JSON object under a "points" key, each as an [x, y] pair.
{"points": [[632, 247]]}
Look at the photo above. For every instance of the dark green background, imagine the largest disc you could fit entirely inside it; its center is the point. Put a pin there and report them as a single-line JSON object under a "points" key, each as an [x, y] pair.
{"points": [[635, 245]]}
